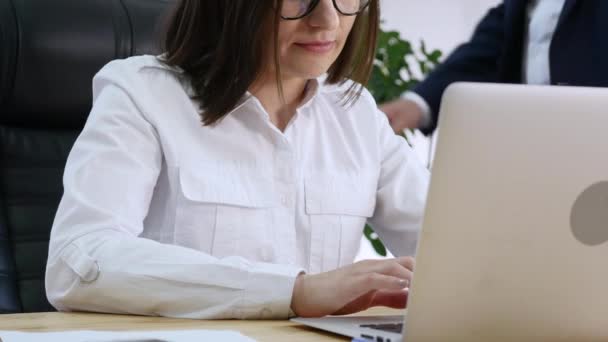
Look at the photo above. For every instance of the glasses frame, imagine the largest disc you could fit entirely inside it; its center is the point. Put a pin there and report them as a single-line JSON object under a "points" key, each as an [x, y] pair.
{"points": [[314, 4]]}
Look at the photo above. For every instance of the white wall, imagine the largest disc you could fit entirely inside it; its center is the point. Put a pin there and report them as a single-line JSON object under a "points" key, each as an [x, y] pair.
{"points": [[442, 24]]}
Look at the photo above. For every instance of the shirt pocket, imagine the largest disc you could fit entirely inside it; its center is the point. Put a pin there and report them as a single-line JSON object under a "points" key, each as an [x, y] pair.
{"points": [[337, 205], [226, 210]]}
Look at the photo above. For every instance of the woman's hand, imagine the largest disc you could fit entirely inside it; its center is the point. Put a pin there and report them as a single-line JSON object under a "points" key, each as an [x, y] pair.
{"points": [[353, 288]]}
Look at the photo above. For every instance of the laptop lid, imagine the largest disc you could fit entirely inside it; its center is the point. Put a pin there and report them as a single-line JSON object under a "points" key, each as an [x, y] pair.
{"points": [[514, 244]]}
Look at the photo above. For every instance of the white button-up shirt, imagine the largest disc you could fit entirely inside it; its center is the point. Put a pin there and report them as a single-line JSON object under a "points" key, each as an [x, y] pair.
{"points": [[542, 18], [164, 216]]}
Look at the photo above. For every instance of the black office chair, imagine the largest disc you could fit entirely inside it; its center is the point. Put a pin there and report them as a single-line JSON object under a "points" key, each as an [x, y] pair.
{"points": [[49, 53]]}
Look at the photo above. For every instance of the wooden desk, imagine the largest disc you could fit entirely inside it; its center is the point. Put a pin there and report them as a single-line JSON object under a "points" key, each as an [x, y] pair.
{"points": [[258, 330]]}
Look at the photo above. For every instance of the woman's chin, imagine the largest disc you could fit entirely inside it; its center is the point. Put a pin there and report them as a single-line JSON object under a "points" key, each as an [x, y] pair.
{"points": [[313, 73]]}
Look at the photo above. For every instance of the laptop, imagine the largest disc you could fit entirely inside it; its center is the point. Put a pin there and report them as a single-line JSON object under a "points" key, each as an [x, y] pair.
{"points": [[514, 244]]}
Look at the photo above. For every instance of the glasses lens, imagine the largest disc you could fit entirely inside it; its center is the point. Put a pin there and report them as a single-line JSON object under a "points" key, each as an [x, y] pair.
{"points": [[351, 7], [294, 8]]}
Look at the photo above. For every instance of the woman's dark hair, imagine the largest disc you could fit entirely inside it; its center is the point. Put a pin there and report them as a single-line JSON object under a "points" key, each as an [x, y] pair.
{"points": [[220, 46]]}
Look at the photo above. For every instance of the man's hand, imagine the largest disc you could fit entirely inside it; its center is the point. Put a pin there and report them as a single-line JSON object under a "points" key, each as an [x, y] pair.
{"points": [[402, 114]]}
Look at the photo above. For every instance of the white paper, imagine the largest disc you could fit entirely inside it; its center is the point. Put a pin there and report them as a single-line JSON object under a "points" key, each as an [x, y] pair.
{"points": [[126, 336]]}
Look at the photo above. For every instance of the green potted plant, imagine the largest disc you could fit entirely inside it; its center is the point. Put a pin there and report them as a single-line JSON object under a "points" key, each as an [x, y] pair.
{"points": [[397, 68]]}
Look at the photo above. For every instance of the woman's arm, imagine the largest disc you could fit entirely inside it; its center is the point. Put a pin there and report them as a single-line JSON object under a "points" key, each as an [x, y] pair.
{"points": [[401, 193], [98, 262]]}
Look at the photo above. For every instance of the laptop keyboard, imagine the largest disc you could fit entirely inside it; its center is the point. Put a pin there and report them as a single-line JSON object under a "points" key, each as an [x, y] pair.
{"points": [[389, 327]]}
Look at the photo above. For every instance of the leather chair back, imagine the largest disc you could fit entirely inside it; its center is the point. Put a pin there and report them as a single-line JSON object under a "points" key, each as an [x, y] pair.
{"points": [[50, 51]]}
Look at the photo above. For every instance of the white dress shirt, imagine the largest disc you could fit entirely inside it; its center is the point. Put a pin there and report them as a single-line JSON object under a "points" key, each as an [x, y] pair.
{"points": [[164, 216], [542, 17]]}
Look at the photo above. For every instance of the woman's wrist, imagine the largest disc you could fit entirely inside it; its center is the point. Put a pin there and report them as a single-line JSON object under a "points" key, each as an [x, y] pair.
{"points": [[297, 288]]}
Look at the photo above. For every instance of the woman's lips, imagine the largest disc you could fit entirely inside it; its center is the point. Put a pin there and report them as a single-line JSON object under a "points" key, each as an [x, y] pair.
{"points": [[318, 47]]}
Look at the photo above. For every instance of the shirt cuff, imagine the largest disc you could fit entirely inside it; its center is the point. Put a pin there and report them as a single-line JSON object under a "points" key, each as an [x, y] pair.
{"points": [[426, 120], [269, 291]]}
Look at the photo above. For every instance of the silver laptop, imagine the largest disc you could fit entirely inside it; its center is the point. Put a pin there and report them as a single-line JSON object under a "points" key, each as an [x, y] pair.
{"points": [[514, 245]]}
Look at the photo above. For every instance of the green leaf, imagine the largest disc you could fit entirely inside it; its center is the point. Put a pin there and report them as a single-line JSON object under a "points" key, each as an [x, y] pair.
{"points": [[374, 240], [379, 247], [392, 75]]}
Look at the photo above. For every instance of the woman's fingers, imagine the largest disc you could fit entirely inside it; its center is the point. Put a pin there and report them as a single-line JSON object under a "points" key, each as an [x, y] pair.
{"points": [[386, 275], [391, 299], [400, 268], [353, 288], [379, 281], [407, 262], [367, 282]]}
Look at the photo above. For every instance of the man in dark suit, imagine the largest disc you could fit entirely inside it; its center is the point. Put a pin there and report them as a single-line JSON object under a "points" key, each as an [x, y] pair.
{"points": [[557, 42]]}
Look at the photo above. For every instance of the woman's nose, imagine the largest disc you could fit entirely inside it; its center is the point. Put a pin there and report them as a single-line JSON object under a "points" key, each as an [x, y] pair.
{"points": [[325, 15]]}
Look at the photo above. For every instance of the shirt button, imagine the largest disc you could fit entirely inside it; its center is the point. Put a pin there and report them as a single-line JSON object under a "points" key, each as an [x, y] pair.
{"points": [[284, 200], [93, 274]]}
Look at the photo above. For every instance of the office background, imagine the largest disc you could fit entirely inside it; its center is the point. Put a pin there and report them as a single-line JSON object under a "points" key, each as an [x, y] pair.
{"points": [[419, 20]]}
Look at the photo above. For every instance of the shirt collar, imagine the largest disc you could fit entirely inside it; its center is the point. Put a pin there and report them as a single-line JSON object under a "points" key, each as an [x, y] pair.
{"points": [[310, 92]]}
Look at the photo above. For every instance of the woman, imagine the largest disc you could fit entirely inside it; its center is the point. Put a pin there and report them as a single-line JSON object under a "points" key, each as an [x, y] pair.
{"points": [[232, 177]]}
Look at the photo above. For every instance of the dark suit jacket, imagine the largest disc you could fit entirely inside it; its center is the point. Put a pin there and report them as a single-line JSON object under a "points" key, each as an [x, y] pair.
{"points": [[578, 53]]}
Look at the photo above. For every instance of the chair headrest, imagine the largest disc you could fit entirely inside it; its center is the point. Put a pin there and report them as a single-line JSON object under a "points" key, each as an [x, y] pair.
{"points": [[52, 50]]}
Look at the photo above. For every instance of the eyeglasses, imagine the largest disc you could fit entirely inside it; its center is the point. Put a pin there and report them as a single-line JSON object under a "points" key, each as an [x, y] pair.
{"points": [[297, 9]]}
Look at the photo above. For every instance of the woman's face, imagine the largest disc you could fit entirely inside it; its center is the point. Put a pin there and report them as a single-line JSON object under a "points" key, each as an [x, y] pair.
{"points": [[308, 46]]}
